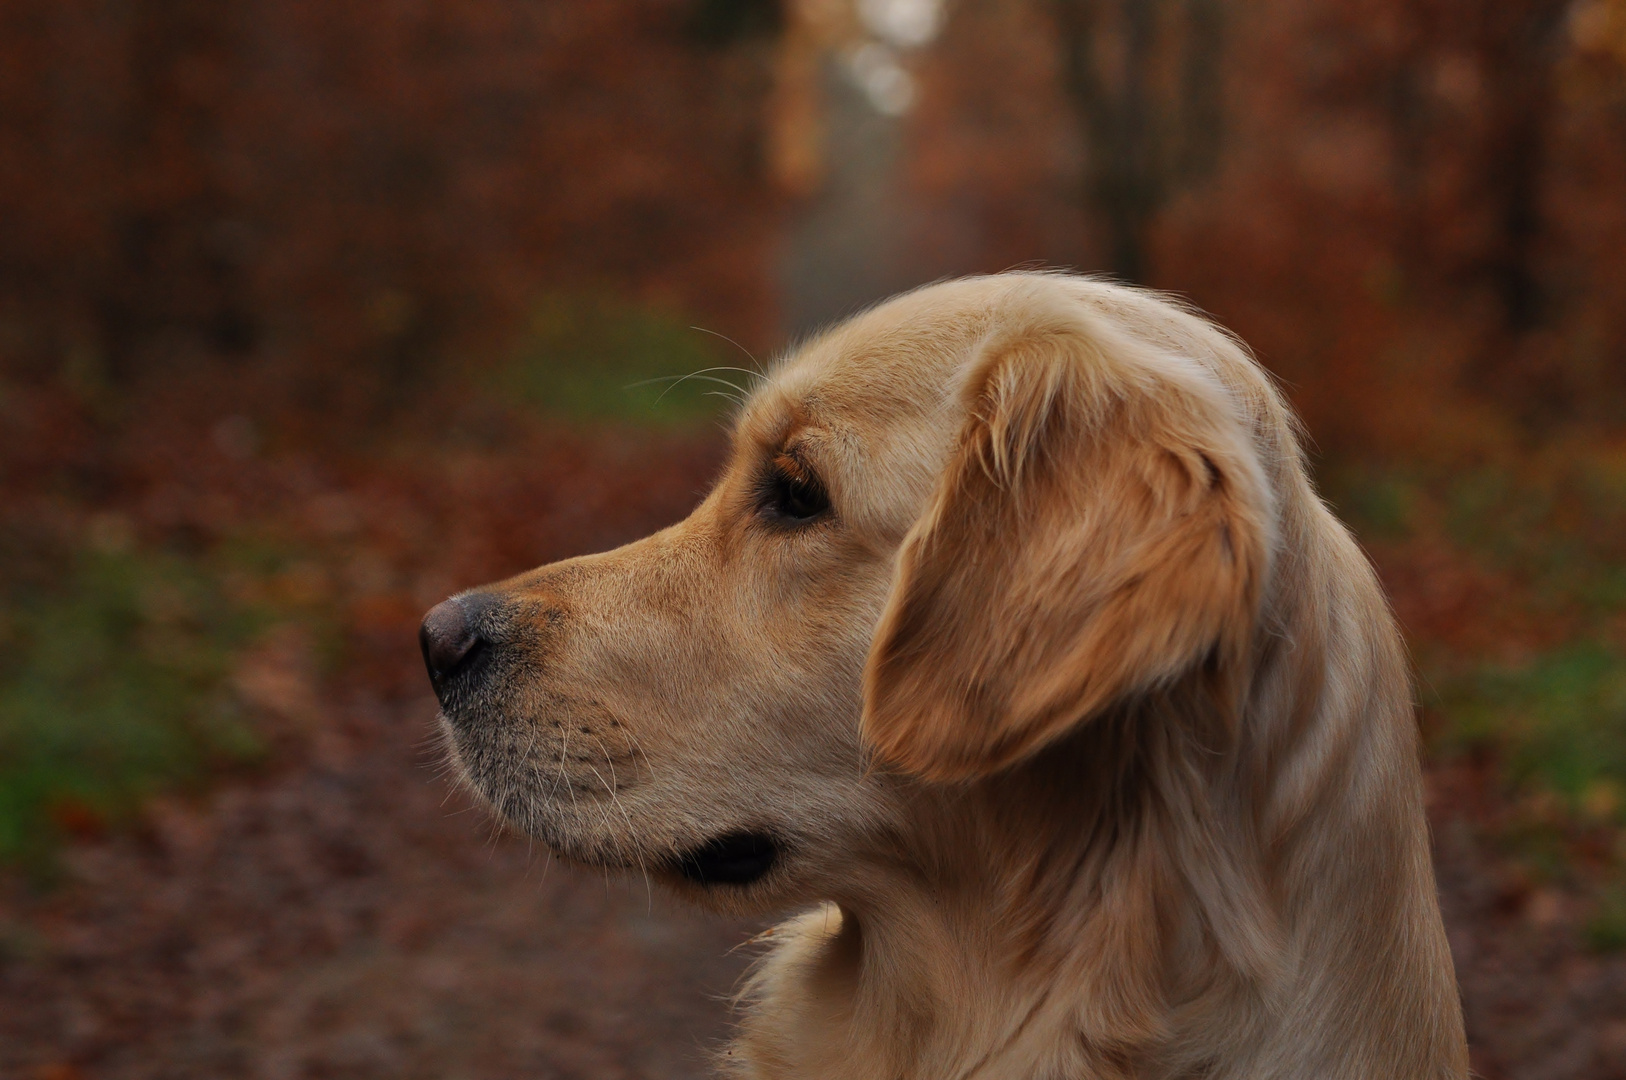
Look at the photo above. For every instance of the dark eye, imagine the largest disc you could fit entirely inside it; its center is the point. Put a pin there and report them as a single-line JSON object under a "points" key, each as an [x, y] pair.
{"points": [[792, 493]]}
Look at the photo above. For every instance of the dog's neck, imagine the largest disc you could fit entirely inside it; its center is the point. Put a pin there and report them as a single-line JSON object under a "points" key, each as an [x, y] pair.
{"points": [[1114, 911], [1065, 952]]}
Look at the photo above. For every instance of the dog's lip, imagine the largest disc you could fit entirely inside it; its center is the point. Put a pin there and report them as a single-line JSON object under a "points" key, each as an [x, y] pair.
{"points": [[740, 857]]}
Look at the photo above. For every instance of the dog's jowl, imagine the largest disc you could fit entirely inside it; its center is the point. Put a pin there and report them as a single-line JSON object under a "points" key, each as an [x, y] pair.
{"points": [[1014, 648]]}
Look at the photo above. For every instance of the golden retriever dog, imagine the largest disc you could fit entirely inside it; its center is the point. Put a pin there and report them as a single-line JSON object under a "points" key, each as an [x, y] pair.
{"points": [[1015, 646]]}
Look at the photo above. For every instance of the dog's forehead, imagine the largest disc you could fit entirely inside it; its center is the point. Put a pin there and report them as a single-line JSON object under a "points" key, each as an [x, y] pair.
{"points": [[894, 366], [877, 399]]}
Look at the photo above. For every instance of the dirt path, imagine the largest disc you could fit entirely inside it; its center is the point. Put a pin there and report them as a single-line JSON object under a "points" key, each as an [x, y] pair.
{"points": [[337, 920], [1540, 1006]]}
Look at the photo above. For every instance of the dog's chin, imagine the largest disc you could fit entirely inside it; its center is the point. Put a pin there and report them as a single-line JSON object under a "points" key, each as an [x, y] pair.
{"points": [[727, 869], [723, 868]]}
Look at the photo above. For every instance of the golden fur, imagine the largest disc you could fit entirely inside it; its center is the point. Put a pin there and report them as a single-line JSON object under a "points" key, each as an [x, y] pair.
{"points": [[1077, 717]]}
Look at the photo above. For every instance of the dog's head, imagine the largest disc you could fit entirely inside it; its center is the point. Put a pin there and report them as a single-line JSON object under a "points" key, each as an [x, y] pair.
{"points": [[952, 532]]}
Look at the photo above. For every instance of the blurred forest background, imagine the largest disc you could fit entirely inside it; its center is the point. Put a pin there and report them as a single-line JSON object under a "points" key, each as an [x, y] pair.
{"points": [[313, 312]]}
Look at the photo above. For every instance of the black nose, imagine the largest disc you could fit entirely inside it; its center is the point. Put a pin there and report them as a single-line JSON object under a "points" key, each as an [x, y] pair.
{"points": [[451, 638]]}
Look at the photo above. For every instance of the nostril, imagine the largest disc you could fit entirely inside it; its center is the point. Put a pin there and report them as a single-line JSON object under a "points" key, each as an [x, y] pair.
{"points": [[449, 639]]}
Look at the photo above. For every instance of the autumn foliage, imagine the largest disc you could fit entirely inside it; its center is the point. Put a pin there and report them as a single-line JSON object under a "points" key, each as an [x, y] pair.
{"points": [[344, 195], [1412, 209]]}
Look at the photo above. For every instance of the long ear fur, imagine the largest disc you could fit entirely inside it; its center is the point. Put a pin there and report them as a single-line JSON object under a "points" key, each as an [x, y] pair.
{"points": [[1101, 531]]}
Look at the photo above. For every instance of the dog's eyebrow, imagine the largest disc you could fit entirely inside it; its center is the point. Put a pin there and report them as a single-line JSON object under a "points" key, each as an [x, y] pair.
{"points": [[793, 455], [802, 453]]}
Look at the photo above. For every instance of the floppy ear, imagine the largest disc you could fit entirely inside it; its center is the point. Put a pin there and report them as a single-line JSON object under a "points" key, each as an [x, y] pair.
{"points": [[1101, 531]]}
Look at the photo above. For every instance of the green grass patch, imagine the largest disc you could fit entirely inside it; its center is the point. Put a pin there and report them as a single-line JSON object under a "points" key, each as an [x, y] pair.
{"points": [[1555, 522], [594, 358], [1558, 725], [114, 687]]}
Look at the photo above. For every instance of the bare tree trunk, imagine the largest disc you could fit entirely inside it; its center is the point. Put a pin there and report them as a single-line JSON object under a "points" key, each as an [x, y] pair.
{"points": [[1521, 42], [1144, 141], [174, 271]]}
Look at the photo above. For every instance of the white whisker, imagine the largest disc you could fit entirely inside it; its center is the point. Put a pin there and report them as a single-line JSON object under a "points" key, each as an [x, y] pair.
{"points": [[748, 355], [703, 375], [632, 834]]}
